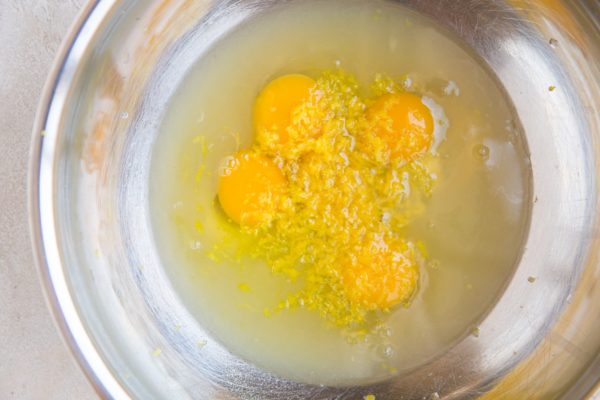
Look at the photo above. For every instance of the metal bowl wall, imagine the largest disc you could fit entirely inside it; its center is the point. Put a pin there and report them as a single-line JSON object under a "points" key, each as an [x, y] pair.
{"points": [[89, 207]]}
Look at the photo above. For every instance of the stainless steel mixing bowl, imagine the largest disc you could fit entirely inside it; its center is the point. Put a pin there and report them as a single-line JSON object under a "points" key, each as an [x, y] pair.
{"points": [[89, 207]]}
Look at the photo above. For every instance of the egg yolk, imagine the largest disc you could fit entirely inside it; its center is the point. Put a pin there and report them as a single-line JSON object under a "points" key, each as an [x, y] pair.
{"points": [[380, 280], [403, 122], [250, 187], [275, 104], [328, 214]]}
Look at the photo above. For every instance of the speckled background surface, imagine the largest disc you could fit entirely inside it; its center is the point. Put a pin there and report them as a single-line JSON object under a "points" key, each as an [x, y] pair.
{"points": [[34, 361]]}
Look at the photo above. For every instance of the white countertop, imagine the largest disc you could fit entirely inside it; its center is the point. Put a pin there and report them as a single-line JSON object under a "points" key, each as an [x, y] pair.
{"points": [[34, 361]]}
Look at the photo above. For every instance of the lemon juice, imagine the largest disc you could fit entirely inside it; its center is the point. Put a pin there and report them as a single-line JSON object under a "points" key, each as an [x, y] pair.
{"points": [[468, 225]]}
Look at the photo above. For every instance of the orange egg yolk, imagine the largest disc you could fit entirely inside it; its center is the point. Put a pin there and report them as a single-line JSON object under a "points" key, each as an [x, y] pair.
{"points": [[380, 280], [250, 187], [403, 122], [275, 104]]}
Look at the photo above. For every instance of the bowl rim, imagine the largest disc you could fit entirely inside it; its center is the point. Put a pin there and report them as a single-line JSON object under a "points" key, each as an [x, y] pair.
{"points": [[42, 226]]}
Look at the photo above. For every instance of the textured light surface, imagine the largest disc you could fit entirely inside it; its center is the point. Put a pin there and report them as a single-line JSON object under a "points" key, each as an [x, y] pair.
{"points": [[34, 362]]}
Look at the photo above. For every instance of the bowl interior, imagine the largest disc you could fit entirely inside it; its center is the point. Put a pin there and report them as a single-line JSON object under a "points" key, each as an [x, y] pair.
{"points": [[104, 272]]}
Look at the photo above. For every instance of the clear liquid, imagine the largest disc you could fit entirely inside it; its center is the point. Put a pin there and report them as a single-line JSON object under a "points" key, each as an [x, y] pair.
{"points": [[473, 226]]}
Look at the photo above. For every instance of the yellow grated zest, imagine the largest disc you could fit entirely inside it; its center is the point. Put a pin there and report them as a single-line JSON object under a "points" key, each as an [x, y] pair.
{"points": [[244, 287], [338, 229]]}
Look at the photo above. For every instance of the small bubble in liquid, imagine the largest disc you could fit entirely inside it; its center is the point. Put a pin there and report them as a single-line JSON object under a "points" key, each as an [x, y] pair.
{"points": [[553, 43], [124, 115], [386, 351], [481, 152], [511, 126], [475, 332], [434, 396], [531, 279]]}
